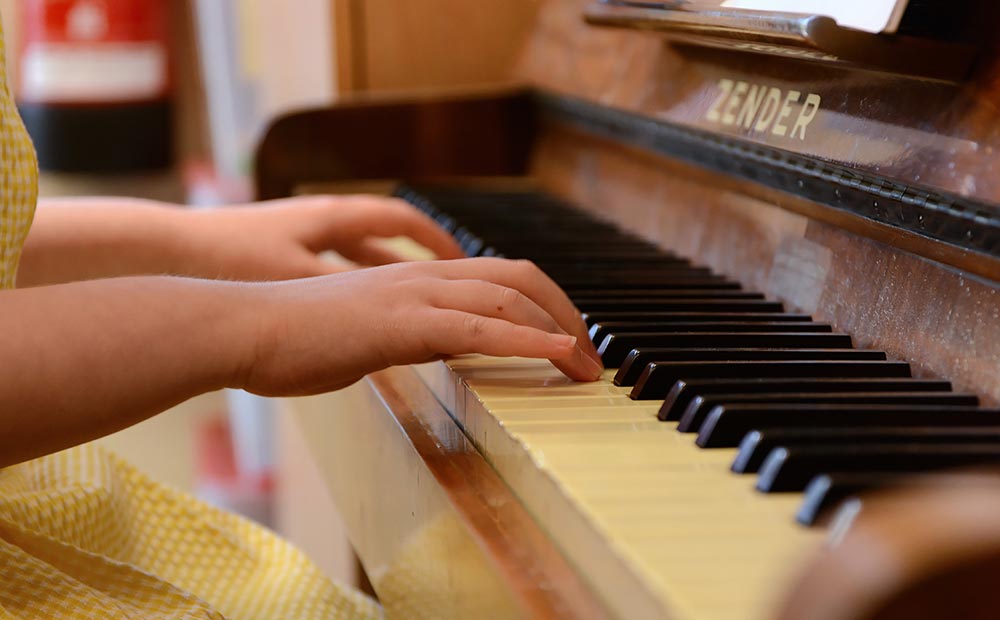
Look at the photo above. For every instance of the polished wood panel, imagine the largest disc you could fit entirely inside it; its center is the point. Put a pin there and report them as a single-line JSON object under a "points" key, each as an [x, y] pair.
{"points": [[477, 133], [914, 131], [947, 323]]}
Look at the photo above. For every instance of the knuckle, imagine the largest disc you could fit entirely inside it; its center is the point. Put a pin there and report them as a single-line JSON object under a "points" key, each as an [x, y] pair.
{"points": [[474, 327], [527, 267], [422, 286], [510, 298]]}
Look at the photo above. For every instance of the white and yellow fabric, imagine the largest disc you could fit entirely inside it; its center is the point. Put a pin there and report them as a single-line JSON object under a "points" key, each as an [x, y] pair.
{"points": [[84, 535]]}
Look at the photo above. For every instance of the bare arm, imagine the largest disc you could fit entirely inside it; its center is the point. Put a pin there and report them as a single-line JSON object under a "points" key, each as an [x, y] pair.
{"points": [[88, 238], [85, 359]]}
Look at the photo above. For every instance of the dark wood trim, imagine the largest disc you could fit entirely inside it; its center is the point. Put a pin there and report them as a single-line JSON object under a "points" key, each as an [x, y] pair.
{"points": [[487, 133]]}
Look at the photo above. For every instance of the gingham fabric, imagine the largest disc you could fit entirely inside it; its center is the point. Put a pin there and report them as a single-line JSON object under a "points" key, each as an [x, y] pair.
{"points": [[84, 535], [18, 179]]}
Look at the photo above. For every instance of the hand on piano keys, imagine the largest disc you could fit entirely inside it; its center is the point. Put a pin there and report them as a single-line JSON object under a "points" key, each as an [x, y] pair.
{"points": [[284, 239], [325, 333]]}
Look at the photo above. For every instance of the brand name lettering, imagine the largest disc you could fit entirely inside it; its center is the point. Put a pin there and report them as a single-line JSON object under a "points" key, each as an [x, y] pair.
{"points": [[764, 109]]}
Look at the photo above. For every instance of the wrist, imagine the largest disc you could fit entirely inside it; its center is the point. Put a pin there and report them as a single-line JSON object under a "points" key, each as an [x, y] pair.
{"points": [[239, 326]]}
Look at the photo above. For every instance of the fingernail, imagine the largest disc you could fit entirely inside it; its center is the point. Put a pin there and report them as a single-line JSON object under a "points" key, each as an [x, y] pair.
{"points": [[563, 340], [593, 366]]}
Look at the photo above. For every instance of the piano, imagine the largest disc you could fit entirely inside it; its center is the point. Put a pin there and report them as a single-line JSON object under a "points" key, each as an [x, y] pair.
{"points": [[783, 229]]}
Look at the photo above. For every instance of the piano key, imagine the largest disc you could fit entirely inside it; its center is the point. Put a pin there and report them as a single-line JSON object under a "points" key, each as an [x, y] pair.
{"points": [[618, 259], [695, 317], [636, 362], [663, 280], [699, 408], [575, 270], [685, 391], [721, 294], [615, 349], [600, 331], [757, 444], [712, 284], [726, 426], [589, 304], [657, 379], [826, 491], [791, 469]]}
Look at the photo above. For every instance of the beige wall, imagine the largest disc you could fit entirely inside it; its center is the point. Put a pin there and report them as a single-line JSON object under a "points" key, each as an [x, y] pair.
{"points": [[295, 53]]}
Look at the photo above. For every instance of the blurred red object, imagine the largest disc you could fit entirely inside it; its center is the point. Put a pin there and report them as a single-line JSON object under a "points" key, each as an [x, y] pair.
{"points": [[219, 480], [94, 83]]}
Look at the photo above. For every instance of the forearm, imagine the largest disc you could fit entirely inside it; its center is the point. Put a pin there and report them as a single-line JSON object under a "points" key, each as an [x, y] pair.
{"points": [[90, 238], [87, 359]]}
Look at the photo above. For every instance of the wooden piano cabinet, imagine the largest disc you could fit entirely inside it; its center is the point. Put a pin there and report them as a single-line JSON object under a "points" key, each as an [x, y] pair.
{"points": [[865, 283], [870, 203], [485, 132], [943, 135]]}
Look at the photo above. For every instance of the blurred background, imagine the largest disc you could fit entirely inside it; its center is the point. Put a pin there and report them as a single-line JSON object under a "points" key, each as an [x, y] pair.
{"points": [[167, 99]]}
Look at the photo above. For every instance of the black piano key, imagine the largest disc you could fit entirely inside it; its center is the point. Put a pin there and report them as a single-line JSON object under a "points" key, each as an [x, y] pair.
{"points": [[726, 426], [628, 276], [716, 284], [695, 317], [615, 349], [631, 275], [826, 491], [578, 249], [600, 331], [680, 305], [666, 294], [685, 391], [757, 444], [791, 469], [657, 379], [636, 362], [664, 280], [697, 411], [570, 263]]}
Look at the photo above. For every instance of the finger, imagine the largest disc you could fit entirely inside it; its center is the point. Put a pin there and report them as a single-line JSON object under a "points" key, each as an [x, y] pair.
{"points": [[529, 280], [383, 217], [457, 333], [492, 300], [398, 218], [369, 252]]}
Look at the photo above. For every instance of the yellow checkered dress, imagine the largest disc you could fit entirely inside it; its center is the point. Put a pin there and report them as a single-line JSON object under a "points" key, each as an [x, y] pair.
{"points": [[84, 535]]}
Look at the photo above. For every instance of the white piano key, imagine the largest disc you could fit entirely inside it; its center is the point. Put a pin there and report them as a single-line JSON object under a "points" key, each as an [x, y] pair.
{"points": [[620, 492]]}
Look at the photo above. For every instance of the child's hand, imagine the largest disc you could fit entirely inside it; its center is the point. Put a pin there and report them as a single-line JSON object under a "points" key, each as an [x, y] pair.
{"points": [[281, 239], [324, 333]]}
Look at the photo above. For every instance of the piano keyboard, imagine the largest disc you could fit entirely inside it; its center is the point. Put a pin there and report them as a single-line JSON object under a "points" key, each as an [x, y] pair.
{"points": [[674, 483]]}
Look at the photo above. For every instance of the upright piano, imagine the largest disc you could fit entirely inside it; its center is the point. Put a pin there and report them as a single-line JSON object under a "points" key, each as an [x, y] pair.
{"points": [[784, 231]]}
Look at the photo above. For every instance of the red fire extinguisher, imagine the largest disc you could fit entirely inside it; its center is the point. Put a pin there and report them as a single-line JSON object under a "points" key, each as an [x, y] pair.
{"points": [[94, 83]]}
